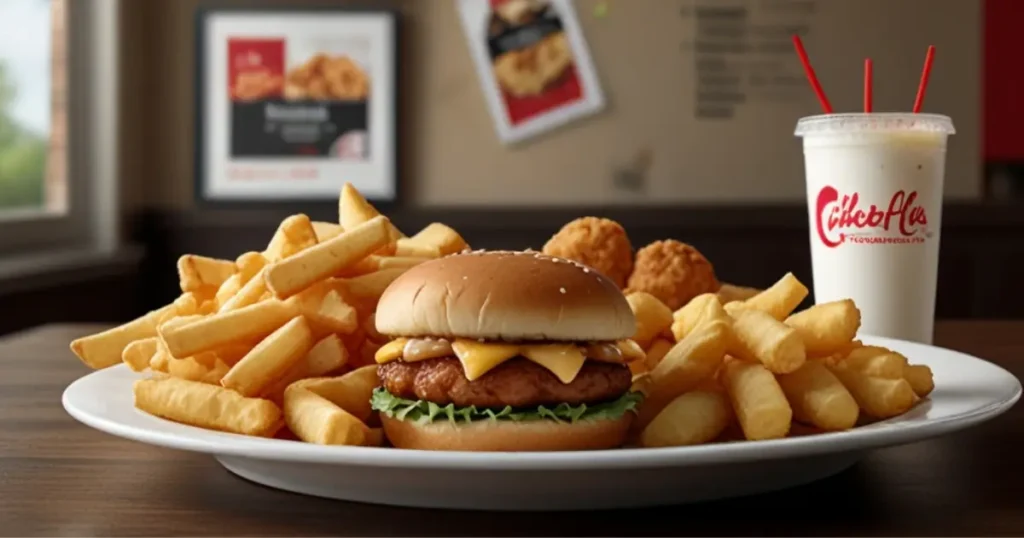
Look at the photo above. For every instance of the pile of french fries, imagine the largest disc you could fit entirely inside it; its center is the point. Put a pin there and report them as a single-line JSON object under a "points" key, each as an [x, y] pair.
{"points": [[753, 369], [280, 342]]}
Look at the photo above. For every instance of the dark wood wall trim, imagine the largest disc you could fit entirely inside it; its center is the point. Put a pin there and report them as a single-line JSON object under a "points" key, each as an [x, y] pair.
{"points": [[92, 288]]}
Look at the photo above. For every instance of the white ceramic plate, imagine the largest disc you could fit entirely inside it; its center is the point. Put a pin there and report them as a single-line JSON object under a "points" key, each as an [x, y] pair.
{"points": [[968, 391]]}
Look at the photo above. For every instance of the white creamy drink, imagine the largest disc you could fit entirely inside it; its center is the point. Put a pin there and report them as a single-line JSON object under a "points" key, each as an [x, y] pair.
{"points": [[874, 198]]}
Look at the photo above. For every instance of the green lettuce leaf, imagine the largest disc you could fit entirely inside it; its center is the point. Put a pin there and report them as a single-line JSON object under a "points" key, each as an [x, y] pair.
{"points": [[423, 411]]}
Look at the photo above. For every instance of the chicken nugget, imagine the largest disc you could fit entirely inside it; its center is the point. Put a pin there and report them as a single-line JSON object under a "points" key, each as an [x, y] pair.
{"points": [[596, 242], [672, 271]]}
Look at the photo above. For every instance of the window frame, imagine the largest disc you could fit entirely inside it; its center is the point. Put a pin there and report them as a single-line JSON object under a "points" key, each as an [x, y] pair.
{"points": [[91, 220]]}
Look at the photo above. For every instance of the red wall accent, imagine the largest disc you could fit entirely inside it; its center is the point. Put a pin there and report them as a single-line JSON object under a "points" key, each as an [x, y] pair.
{"points": [[1003, 84]]}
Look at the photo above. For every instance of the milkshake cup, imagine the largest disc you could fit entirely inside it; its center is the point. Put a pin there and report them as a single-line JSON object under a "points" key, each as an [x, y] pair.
{"points": [[874, 202]]}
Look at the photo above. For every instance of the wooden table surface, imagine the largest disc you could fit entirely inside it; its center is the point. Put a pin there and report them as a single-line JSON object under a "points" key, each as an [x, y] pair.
{"points": [[61, 478]]}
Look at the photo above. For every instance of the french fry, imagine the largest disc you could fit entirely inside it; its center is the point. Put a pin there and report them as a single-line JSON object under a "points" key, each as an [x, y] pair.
{"points": [[325, 308], [412, 248], [710, 384], [314, 419], [653, 318], [374, 437], [798, 429], [206, 406], [920, 378], [446, 240], [354, 210], [326, 230], [249, 264], [231, 353], [733, 307], [293, 235], [641, 383], [198, 272], [104, 349], [757, 399], [659, 348], [781, 299], [760, 337], [728, 293], [818, 398], [876, 361], [877, 397], [270, 359], [826, 328], [692, 360], [138, 353], [364, 266], [838, 354], [291, 275], [211, 332], [705, 307], [351, 391], [326, 356], [187, 304], [176, 322], [336, 314], [159, 362], [397, 262], [371, 286], [228, 289], [690, 419], [249, 294], [194, 369]]}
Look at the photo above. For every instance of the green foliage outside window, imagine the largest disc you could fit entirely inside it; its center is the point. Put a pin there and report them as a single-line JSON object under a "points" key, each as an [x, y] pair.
{"points": [[22, 155]]}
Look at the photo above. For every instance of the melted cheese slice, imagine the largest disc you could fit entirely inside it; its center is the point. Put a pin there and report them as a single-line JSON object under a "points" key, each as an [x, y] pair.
{"points": [[478, 358], [390, 351], [563, 360]]}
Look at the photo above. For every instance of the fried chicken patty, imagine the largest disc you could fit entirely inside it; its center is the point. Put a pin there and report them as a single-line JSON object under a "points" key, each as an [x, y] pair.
{"points": [[517, 382]]}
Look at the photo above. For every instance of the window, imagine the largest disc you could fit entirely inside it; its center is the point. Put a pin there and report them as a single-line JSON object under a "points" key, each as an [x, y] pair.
{"points": [[58, 119]]}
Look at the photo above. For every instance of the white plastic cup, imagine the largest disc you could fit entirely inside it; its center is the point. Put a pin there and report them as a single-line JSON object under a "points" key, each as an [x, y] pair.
{"points": [[874, 201]]}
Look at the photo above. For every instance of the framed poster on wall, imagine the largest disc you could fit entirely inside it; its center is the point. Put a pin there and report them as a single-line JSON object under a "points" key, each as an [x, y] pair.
{"points": [[293, 103], [533, 64]]}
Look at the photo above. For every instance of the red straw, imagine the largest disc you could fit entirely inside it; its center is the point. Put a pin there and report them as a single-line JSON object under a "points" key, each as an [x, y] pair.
{"points": [[867, 85], [928, 58], [809, 71]]}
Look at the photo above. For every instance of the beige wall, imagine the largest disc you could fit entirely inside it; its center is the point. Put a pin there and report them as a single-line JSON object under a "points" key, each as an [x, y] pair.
{"points": [[454, 156]]}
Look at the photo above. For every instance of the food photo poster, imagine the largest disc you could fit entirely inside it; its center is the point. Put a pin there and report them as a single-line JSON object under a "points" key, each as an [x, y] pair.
{"points": [[533, 64], [292, 104]]}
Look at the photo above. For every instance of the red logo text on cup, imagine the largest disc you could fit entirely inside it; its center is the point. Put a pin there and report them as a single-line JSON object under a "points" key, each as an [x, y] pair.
{"points": [[840, 218]]}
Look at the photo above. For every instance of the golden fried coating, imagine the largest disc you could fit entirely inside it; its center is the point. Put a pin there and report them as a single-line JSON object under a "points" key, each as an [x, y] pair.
{"points": [[673, 272], [596, 242]]}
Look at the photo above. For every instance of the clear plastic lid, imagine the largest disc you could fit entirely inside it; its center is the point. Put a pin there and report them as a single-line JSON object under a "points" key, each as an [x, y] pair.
{"points": [[874, 122]]}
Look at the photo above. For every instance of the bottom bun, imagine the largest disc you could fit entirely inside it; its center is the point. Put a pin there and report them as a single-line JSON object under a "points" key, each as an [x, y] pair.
{"points": [[508, 436]]}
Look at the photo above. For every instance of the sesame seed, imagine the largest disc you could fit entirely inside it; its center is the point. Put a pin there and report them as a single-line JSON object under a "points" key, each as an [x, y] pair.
{"points": [[562, 290], [465, 278], [585, 270]]}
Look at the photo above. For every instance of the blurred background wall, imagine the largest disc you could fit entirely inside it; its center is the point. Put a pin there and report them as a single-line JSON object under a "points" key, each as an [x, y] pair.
{"points": [[648, 54], [709, 164]]}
